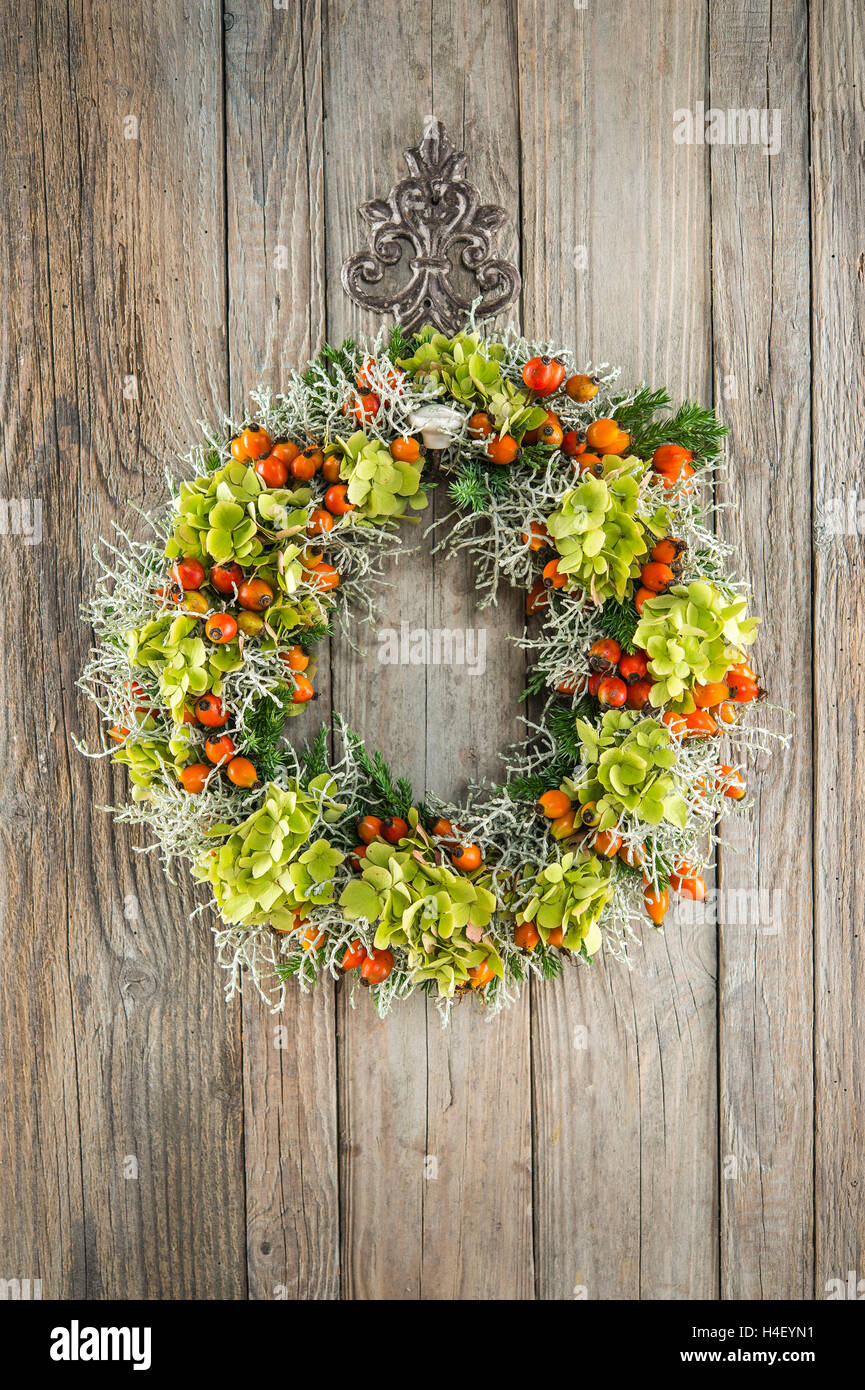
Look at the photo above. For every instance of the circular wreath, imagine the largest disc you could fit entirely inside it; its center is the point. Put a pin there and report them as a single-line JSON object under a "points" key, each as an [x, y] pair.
{"points": [[595, 501]]}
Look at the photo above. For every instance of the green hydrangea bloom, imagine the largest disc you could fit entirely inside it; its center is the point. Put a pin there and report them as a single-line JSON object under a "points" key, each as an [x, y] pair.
{"points": [[436, 915], [293, 605], [185, 665], [470, 372], [571, 893], [266, 869], [453, 364], [381, 487], [628, 762], [600, 530], [691, 634], [152, 760], [231, 514], [145, 645], [312, 875], [185, 673], [216, 517], [283, 514]]}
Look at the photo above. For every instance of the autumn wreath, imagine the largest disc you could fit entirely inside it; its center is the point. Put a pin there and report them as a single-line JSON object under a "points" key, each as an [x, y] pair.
{"points": [[597, 502]]}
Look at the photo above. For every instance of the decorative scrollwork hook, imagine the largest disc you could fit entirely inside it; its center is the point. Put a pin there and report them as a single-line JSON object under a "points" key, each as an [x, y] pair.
{"points": [[436, 211]]}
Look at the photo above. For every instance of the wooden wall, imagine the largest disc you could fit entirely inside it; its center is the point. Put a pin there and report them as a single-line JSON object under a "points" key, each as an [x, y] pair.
{"points": [[178, 189]]}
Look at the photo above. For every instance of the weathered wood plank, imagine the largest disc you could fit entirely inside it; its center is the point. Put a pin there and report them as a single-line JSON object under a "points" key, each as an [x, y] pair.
{"points": [[116, 1042], [477, 1211], [425, 1239], [615, 240], [760, 290], [110, 147], [274, 186], [42, 1231], [275, 189], [382, 1066], [837, 69]]}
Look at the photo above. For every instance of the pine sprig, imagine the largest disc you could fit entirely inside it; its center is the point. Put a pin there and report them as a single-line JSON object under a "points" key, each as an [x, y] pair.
{"points": [[635, 413], [474, 486], [562, 724], [343, 357], [287, 969], [532, 785], [515, 968], [314, 634], [619, 621], [378, 792], [536, 682], [550, 963], [398, 345], [315, 757], [693, 426], [535, 455], [262, 735]]}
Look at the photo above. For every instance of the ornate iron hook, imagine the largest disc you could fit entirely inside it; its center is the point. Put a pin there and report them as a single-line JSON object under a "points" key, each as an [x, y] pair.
{"points": [[434, 210]]}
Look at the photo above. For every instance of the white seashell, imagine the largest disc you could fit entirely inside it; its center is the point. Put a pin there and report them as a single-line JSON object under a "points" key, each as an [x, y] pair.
{"points": [[438, 424]]}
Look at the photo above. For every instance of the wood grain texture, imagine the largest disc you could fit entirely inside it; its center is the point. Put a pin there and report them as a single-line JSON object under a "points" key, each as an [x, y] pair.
{"points": [[117, 1002], [477, 1237], [760, 284], [454, 61], [275, 203], [42, 1229], [382, 1066], [837, 70], [153, 270], [274, 190], [629, 1104]]}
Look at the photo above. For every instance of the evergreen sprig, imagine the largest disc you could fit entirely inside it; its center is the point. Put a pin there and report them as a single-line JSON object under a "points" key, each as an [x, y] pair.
{"points": [[536, 682], [694, 426], [516, 968], [530, 786], [315, 757], [378, 791], [344, 357], [316, 633], [262, 735], [619, 621], [562, 725], [535, 455], [550, 963], [473, 485], [398, 345], [635, 413], [287, 969]]}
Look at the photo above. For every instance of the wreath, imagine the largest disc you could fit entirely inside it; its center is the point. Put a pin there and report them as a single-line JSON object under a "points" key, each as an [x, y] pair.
{"points": [[594, 500]]}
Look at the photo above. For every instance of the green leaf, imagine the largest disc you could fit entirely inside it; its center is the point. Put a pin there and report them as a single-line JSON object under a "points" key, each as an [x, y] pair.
{"points": [[358, 899]]}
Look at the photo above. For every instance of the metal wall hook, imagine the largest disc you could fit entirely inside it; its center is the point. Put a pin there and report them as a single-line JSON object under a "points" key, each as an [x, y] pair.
{"points": [[436, 212]]}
